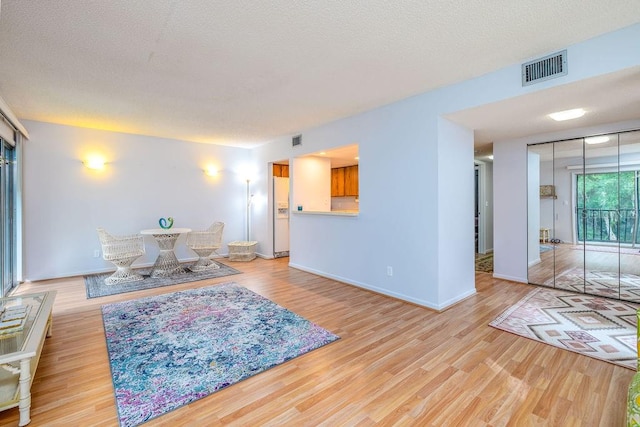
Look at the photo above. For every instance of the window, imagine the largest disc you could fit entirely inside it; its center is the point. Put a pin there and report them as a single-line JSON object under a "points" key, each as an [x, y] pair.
{"points": [[607, 207]]}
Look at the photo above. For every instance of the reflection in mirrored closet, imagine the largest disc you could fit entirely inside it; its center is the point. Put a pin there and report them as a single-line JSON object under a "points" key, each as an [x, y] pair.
{"points": [[583, 215]]}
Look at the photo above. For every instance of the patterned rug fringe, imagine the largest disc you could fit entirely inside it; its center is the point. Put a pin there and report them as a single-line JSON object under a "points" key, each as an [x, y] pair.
{"points": [[96, 287]]}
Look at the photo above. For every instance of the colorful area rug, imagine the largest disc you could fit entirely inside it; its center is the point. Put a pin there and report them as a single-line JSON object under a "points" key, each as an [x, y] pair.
{"points": [[602, 283], [169, 350], [97, 288], [593, 326]]}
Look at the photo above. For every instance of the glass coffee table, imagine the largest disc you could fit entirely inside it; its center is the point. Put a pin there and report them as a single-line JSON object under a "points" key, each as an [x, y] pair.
{"points": [[25, 321]]}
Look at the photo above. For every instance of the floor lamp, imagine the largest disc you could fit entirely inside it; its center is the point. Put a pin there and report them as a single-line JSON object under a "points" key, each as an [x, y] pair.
{"points": [[249, 198]]}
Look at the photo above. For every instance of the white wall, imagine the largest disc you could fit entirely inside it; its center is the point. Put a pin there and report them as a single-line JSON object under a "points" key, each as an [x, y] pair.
{"points": [[402, 181], [311, 178], [145, 178], [510, 210], [410, 191], [456, 211], [397, 223]]}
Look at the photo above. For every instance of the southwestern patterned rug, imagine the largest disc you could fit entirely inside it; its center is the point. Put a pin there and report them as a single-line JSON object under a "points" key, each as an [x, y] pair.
{"points": [[603, 283], [169, 350], [593, 326], [96, 287]]}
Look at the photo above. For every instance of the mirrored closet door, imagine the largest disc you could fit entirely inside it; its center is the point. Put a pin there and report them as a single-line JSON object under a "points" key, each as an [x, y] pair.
{"points": [[583, 215]]}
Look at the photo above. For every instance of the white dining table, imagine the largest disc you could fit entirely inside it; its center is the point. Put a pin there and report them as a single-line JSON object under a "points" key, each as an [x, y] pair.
{"points": [[167, 263]]}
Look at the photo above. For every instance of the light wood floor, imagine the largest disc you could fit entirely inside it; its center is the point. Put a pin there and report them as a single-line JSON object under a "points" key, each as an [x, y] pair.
{"points": [[395, 364]]}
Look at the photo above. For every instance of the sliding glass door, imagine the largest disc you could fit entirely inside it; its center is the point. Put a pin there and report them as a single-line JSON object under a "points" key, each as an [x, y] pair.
{"points": [[583, 219], [8, 255], [628, 235]]}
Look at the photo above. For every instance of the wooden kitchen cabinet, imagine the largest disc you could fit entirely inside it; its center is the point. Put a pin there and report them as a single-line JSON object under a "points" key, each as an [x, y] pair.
{"points": [[337, 182], [281, 171], [344, 181], [351, 180]]}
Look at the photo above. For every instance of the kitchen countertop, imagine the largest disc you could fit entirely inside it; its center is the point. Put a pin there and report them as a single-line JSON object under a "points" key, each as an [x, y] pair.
{"points": [[344, 212]]}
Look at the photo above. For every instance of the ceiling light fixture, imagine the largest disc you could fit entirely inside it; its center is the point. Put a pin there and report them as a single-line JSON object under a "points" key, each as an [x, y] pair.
{"points": [[567, 114], [596, 139]]}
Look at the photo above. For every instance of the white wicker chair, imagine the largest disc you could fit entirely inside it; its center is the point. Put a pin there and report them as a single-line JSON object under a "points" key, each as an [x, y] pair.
{"points": [[205, 244], [121, 251]]}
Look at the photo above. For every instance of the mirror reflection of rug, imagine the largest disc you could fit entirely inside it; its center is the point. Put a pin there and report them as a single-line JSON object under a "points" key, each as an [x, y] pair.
{"points": [[169, 350], [603, 283], [597, 327], [610, 249]]}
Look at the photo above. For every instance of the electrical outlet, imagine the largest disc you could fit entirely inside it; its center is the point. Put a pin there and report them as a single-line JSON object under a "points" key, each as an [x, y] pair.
{"points": [[96, 253], [389, 270]]}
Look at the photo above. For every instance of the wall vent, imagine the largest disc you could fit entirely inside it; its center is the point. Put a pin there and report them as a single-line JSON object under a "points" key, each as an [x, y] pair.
{"points": [[296, 140], [549, 67]]}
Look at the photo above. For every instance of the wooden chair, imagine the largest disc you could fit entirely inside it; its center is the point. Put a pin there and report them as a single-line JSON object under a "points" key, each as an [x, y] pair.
{"points": [[205, 244]]}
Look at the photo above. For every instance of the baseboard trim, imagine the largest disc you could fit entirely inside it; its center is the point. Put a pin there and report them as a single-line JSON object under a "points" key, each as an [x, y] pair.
{"points": [[395, 295], [510, 278]]}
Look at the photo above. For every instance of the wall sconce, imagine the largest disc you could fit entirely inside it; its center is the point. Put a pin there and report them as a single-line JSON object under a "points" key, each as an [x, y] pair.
{"points": [[95, 163], [211, 171]]}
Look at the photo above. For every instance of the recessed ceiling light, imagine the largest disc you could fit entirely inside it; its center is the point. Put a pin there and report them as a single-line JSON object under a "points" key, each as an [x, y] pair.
{"points": [[596, 139], [567, 114]]}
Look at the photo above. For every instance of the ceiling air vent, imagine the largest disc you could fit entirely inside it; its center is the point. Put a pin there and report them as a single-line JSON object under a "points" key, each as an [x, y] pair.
{"points": [[549, 67], [296, 140]]}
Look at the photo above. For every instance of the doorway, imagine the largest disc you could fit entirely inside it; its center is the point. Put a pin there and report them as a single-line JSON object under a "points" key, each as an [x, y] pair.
{"points": [[483, 216], [280, 213]]}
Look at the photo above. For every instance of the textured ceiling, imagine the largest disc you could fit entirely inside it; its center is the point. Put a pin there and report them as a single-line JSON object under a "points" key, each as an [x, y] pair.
{"points": [[245, 72]]}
